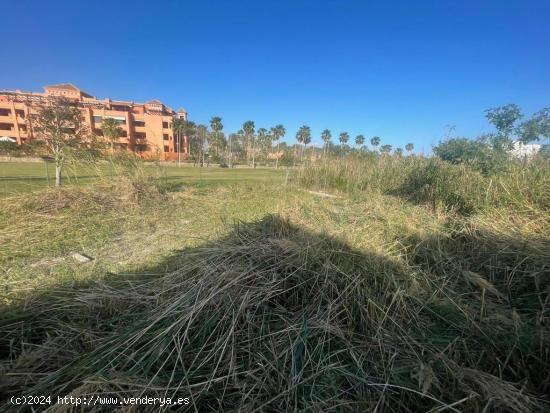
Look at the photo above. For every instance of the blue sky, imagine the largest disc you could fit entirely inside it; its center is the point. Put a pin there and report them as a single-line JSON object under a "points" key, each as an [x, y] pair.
{"points": [[402, 70]]}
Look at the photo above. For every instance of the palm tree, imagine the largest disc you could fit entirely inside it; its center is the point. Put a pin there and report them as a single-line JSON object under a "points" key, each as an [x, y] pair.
{"points": [[385, 149], [304, 137], [189, 132], [263, 139], [111, 131], [326, 136], [249, 128], [375, 141], [344, 138], [202, 131], [409, 147], [216, 125], [179, 126], [359, 140], [277, 133]]}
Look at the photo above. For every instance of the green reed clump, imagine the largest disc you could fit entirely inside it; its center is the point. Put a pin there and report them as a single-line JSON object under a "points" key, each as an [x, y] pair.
{"points": [[520, 185]]}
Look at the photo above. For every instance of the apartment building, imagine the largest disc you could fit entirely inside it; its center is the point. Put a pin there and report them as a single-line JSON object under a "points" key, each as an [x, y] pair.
{"points": [[146, 127]]}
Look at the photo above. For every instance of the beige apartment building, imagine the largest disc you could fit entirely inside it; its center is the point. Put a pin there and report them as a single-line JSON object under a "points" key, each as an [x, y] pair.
{"points": [[146, 127]]}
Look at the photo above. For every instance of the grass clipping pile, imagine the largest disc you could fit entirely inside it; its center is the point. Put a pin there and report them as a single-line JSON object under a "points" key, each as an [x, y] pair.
{"points": [[275, 318], [101, 197]]}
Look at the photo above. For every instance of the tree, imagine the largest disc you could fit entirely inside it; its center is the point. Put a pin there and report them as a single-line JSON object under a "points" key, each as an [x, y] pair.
{"points": [[343, 138], [111, 130], [409, 147], [536, 128], [179, 127], [202, 133], [263, 140], [503, 118], [249, 129], [304, 137], [375, 141], [59, 124], [385, 149], [326, 136], [399, 151], [216, 125], [277, 132], [359, 140]]}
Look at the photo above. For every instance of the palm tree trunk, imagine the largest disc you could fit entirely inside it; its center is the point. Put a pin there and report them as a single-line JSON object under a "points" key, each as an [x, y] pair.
{"points": [[179, 149], [230, 153], [253, 155]]}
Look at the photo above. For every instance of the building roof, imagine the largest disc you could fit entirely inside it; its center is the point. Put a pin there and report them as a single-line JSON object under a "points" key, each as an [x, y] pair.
{"points": [[154, 102], [67, 86], [63, 86], [181, 110]]}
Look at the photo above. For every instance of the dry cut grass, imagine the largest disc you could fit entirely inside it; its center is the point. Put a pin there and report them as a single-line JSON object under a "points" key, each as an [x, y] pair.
{"points": [[274, 317]]}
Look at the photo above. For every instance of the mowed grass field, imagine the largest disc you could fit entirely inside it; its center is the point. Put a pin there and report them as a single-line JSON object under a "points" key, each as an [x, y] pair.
{"points": [[22, 177]]}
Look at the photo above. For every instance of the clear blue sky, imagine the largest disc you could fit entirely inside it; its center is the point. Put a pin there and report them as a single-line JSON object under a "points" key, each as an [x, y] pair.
{"points": [[398, 69]]}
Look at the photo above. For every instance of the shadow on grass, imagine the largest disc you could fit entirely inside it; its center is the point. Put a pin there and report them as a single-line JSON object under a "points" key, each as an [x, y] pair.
{"points": [[272, 317]]}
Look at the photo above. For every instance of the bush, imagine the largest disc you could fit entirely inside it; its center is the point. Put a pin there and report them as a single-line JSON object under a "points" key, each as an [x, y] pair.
{"points": [[476, 153], [9, 149], [440, 183]]}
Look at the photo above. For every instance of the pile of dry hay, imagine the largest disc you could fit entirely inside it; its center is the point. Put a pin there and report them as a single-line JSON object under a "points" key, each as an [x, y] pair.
{"points": [[275, 318]]}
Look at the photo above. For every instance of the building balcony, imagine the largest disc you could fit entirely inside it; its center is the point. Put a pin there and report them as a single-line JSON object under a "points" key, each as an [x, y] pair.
{"points": [[6, 119], [4, 130]]}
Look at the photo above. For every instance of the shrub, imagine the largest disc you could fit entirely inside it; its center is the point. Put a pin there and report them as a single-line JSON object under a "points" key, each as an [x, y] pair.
{"points": [[8, 148], [442, 184], [475, 153]]}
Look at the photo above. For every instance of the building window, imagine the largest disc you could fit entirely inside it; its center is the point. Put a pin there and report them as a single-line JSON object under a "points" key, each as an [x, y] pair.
{"points": [[166, 149], [97, 119], [124, 134], [165, 125], [165, 136], [5, 112], [119, 120], [5, 126], [139, 123], [140, 135], [98, 132], [20, 113]]}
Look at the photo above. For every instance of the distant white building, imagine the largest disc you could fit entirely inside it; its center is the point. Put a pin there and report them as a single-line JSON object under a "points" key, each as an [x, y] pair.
{"points": [[525, 150]]}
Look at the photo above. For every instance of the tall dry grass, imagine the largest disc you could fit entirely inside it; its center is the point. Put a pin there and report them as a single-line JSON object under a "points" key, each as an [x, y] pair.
{"points": [[523, 186]]}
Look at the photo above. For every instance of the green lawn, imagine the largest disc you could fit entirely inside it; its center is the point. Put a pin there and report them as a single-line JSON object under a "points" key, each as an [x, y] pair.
{"points": [[21, 177]]}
